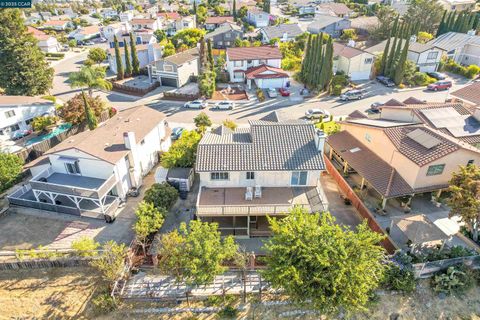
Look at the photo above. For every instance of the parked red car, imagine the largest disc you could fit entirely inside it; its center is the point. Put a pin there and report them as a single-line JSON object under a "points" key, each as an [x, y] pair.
{"points": [[440, 85], [284, 92]]}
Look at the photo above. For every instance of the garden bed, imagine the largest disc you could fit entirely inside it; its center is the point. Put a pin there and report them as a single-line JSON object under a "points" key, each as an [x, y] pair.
{"points": [[234, 94]]}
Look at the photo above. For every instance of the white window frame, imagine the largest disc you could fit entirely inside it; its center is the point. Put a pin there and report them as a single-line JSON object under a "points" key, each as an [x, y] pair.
{"points": [[250, 175], [219, 176], [10, 113], [297, 175], [72, 165], [237, 63], [431, 53]]}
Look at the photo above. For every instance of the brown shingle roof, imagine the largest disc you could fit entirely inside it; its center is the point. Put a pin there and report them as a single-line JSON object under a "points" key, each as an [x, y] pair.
{"points": [[414, 150], [255, 72], [419, 229], [182, 57], [142, 21], [383, 177], [218, 20], [337, 8], [470, 93], [346, 51], [106, 142], [251, 53]]}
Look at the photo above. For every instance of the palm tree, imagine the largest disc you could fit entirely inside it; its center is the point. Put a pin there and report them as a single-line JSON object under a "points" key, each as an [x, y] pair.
{"points": [[89, 78]]}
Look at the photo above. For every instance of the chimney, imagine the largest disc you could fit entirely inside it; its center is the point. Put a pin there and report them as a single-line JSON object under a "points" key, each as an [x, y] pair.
{"points": [[351, 43], [129, 140], [413, 38], [320, 140]]}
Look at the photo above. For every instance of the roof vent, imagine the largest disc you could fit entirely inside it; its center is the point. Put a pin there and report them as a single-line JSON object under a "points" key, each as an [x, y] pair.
{"points": [[356, 149]]}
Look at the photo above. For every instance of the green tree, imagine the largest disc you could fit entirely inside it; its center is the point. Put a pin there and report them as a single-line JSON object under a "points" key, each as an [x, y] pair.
{"points": [[328, 64], [234, 10], [135, 61], [399, 71], [97, 55], [73, 111], [188, 37], [118, 59], [42, 123], [85, 247], [266, 6], [202, 122], [425, 15], [424, 37], [194, 254], [89, 78], [91, 119], [182, 152], [128, 65], [10, 169], [386, 16], [442, 27], [23, 68], [242, 12], [149, 220], [160, 35], [464, 199], [162, 195], [111, 262], [168, 49], [201, 14], [230, 124], [210, 55], [314, 259]]}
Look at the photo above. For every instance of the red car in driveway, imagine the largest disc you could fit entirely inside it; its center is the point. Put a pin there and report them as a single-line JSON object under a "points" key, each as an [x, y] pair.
{"points": [[284, 92], [440, 85]]}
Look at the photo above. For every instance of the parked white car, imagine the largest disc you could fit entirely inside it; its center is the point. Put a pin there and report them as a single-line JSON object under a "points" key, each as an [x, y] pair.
{"points": [[196, 104], [224, 105], [317, 114], [272, 93]]}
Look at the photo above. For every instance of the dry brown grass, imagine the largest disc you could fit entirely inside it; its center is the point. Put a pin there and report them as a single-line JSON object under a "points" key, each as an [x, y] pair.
{"points": [[56, 293]]}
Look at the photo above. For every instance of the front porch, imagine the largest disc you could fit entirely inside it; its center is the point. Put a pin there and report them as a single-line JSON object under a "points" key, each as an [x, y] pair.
{"points": [[241, 227]]}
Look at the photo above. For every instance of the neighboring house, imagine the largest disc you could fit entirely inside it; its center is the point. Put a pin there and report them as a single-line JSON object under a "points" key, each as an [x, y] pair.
{"points": [[126, 16], [212, 23], [258, 18], [306, 9], [109, 13], [146, 24], [46, 15], [458, 5], [412, 148], [259, 64], [329, 24], [85, 33], [172, 22], [89, 173], [146, 53], [176, 70], [17, 113], [464, 48], [58, 25], [46, 43], [364, 25], [150, 9], [355, 63], [426, 56], [334, 9], [469, 94], [265, 169], [224, 36], [284, 32], [33, 19]]}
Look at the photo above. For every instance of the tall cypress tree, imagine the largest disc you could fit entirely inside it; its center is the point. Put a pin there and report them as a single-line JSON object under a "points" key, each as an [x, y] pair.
{"points": [[118, 59], [92, 121], [194, 7], [234, 10], [383, 64], [305, 60], [441, 26], [391, 56], [210, 55], [313, 61], [266, 6], [317, 81], [398, 50], [128, 65], [135, 61], [458, 22], [450, 21], [328, 63], [400, 68], [386, 52]]}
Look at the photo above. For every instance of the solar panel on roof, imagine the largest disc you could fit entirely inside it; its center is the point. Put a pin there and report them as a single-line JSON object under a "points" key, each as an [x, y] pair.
{"points": [[423, 138], [459, 125]]}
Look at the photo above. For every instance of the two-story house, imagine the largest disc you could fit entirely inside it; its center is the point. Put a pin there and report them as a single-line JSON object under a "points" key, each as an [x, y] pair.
{"points": [[334, 9], [284, 32], [261, 65], [265, 169], [172, 22], [464, 48], [46, 43], [355, 63], [146, 53], [89, 173], [109, 13], [458, 5], [413, 148], [331, 25], [148, 24], [212, 23], [85, 33], [58, 25], [17, 113], [258, 18], [175, 70], [224, 36]]}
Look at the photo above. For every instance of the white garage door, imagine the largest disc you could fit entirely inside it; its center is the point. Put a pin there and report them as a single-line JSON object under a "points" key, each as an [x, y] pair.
{"points": [[360, 75], [271, 83]]}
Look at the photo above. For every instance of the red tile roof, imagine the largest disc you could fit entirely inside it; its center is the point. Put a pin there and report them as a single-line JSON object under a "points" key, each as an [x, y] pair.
{"points": [[169, 15], [56, 22], [251, 53], [38, 34], [142, 21], [218, 20], [470, 93], [256, 72]]}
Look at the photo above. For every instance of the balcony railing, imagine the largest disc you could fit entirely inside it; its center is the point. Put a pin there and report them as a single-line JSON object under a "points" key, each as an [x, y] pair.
{"points": [[72, 189], [251, 210]]}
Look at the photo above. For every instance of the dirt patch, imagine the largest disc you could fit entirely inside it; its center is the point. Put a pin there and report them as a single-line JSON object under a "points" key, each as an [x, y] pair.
{"points": [[57, 293], [233, 94]]}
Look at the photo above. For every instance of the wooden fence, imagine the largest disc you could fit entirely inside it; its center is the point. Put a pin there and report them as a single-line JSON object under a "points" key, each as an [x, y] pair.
{"points": [[180, 96], [428, 269], [134, 91], [36, 150], [45, 263], [358, 204]]}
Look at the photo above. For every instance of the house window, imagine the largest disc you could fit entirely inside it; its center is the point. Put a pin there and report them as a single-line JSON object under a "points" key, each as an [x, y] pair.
{"points": [[262, 61], [237, 63], [227, 35], [249, 61], [10, 113], [368, 60], [250, 175], [167, 68], [238, 75], [299, 178], [219, 176], [28, 121], [432, 55], [15, 127], [470, 162], [72, 167], [227, 43], [435, 169], [220, 43]]}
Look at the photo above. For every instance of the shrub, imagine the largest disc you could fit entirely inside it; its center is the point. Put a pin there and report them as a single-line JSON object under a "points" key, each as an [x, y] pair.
{"points": [[50, 98], [400, 277], [228, 312], [229, 124], [337, 90], [161, 195], [42, 123], [202, 122], [472, 71], [104, 303], [73, 111], [182, 152], [260, 95], [348, 34], [10, 170], [340, 79], [85, 247], [454, 280]]}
